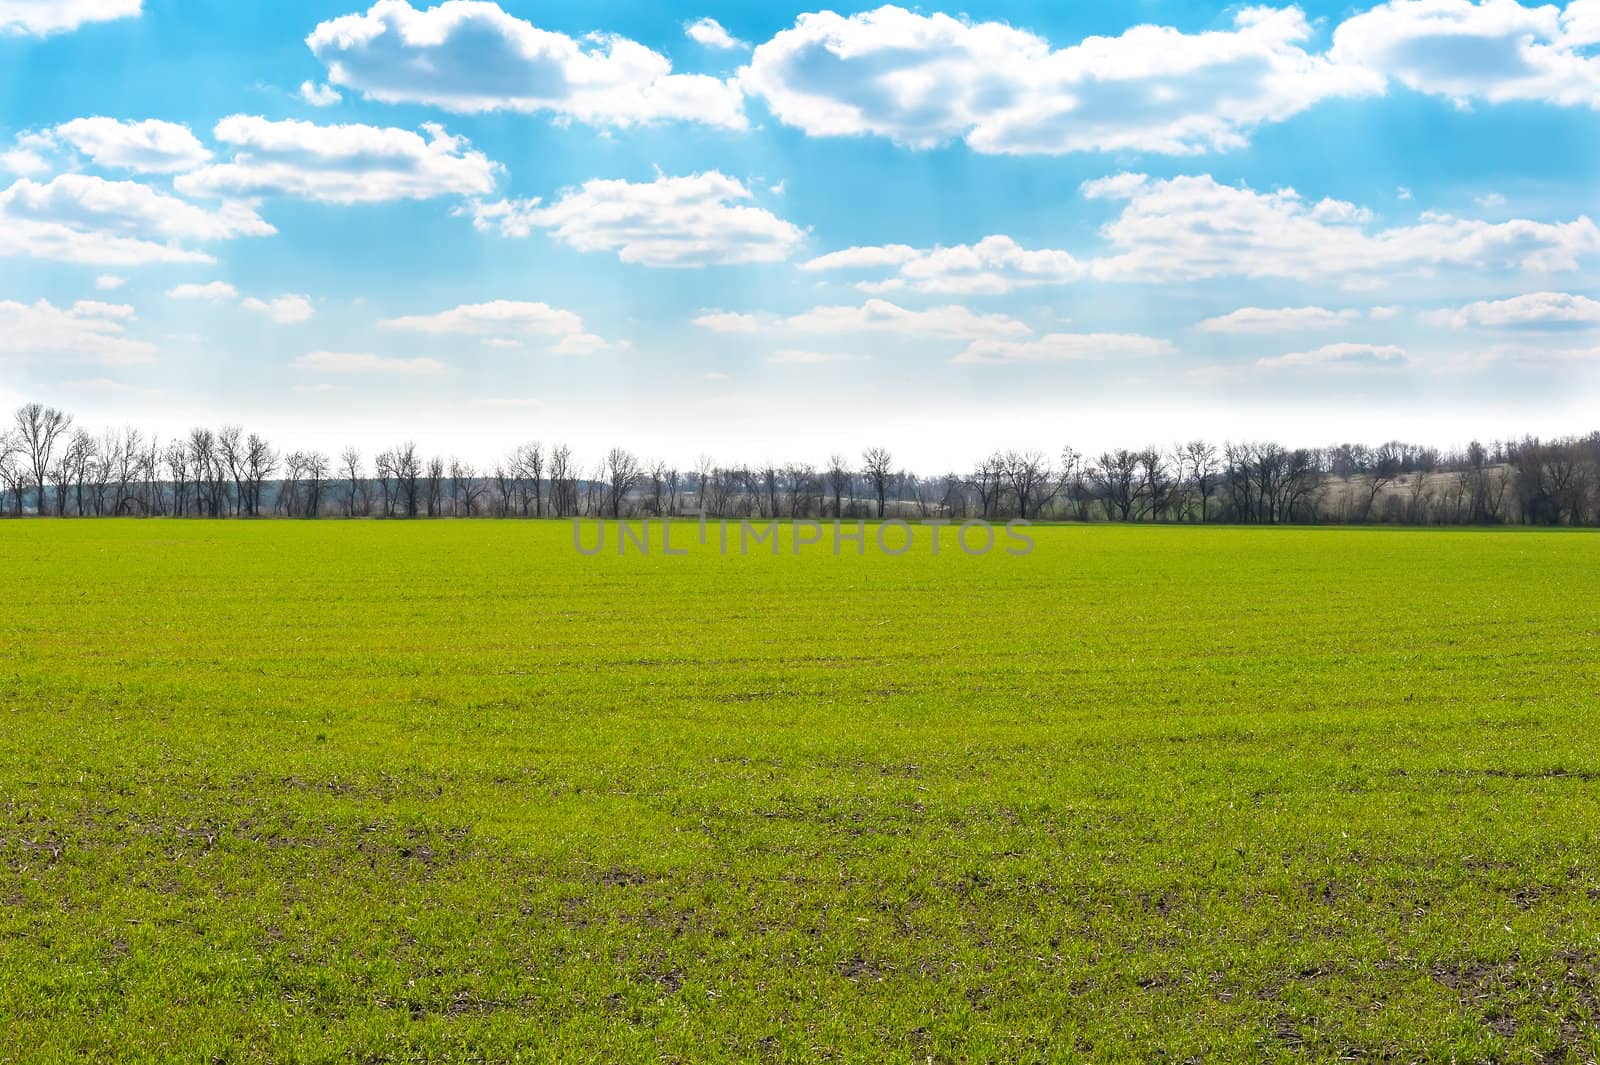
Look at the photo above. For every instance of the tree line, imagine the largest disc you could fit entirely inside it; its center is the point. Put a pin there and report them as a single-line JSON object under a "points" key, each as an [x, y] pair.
{"points": [[49, 466]]}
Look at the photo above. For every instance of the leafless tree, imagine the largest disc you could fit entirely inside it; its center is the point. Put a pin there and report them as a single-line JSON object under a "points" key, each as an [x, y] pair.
{"points": [[877, 466], [433, 486], [621, 476], [37, 429], [1116, 477], [563, 481], [317, 468], [1200, 458], [1031, 479], [839, 478], [355, 486], [988, 482]]}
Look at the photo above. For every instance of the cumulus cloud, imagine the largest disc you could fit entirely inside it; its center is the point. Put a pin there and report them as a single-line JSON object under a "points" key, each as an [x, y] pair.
{"points": [[710, 33], [1339, 356], [87, 331], [926, 80], [507, 320], [700, 220], [319, 95], [84, 219], [40, 18], [1534, 311], [210, 291], [1278, 320], [803, 357], [150, 146], [346, 164], [983, 338], [728, 322], [1193, 227], [952, 322], [1492, 50], [284, 310], [1063, 347], [880, 316], [994, 265], [108, 282], [471, 56], [126, 207], [28, 155], [340, 362]]}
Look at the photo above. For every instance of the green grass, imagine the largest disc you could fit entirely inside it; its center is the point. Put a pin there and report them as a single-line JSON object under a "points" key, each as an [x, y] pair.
{"points": [[394, 792]]}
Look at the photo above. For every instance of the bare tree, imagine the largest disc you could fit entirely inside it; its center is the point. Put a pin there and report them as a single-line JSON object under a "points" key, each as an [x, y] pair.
{"points": [[839, 478], [38, 429], [988, 482], [1032, 480], [434, 486], [563, 481], [877, 466], [317, 468], [355, 492], [621, 476], [1203, 471], [13, 478], [1116, 476]]}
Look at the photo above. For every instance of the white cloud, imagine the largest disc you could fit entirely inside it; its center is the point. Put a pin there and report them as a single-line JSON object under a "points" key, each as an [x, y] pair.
{"points": [[710, 33], [1063, 347], [498, 318], [339, 362], [728, 322], [699, 220], [1580, 23], [875, 316], [1339, 356], [150, 147], [994, 265], [97, 309], [473, 56], [40, 18], [1493, 50], [1489, 201], [1383, 314], [1279, 320], [284, 310], [210, 291], [1192, 227], [881, 316], [83, 219], [863, 258], [927, 80], [506, 321], [109, 282], [346, 164], [802, 357], [1536, 310], [128, 208], [319, 95], [28, 155], [88, 331]]}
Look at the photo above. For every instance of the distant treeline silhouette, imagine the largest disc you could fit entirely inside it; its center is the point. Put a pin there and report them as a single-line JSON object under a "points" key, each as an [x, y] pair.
{"points": [[50, 467]]}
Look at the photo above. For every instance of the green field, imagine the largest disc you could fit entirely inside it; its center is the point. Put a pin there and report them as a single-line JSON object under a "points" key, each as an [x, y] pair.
{"points": [[388, 791]]}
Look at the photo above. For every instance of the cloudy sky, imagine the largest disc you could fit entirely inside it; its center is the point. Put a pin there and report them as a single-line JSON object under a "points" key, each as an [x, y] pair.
{"points": [[774, 232]]}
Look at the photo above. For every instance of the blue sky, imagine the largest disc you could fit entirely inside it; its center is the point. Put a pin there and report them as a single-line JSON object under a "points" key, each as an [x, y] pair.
{"points": [[768, 232]]}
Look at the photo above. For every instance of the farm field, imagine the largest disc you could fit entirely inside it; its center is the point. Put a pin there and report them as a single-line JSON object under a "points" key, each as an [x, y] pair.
{"points": [[388, 791]]}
